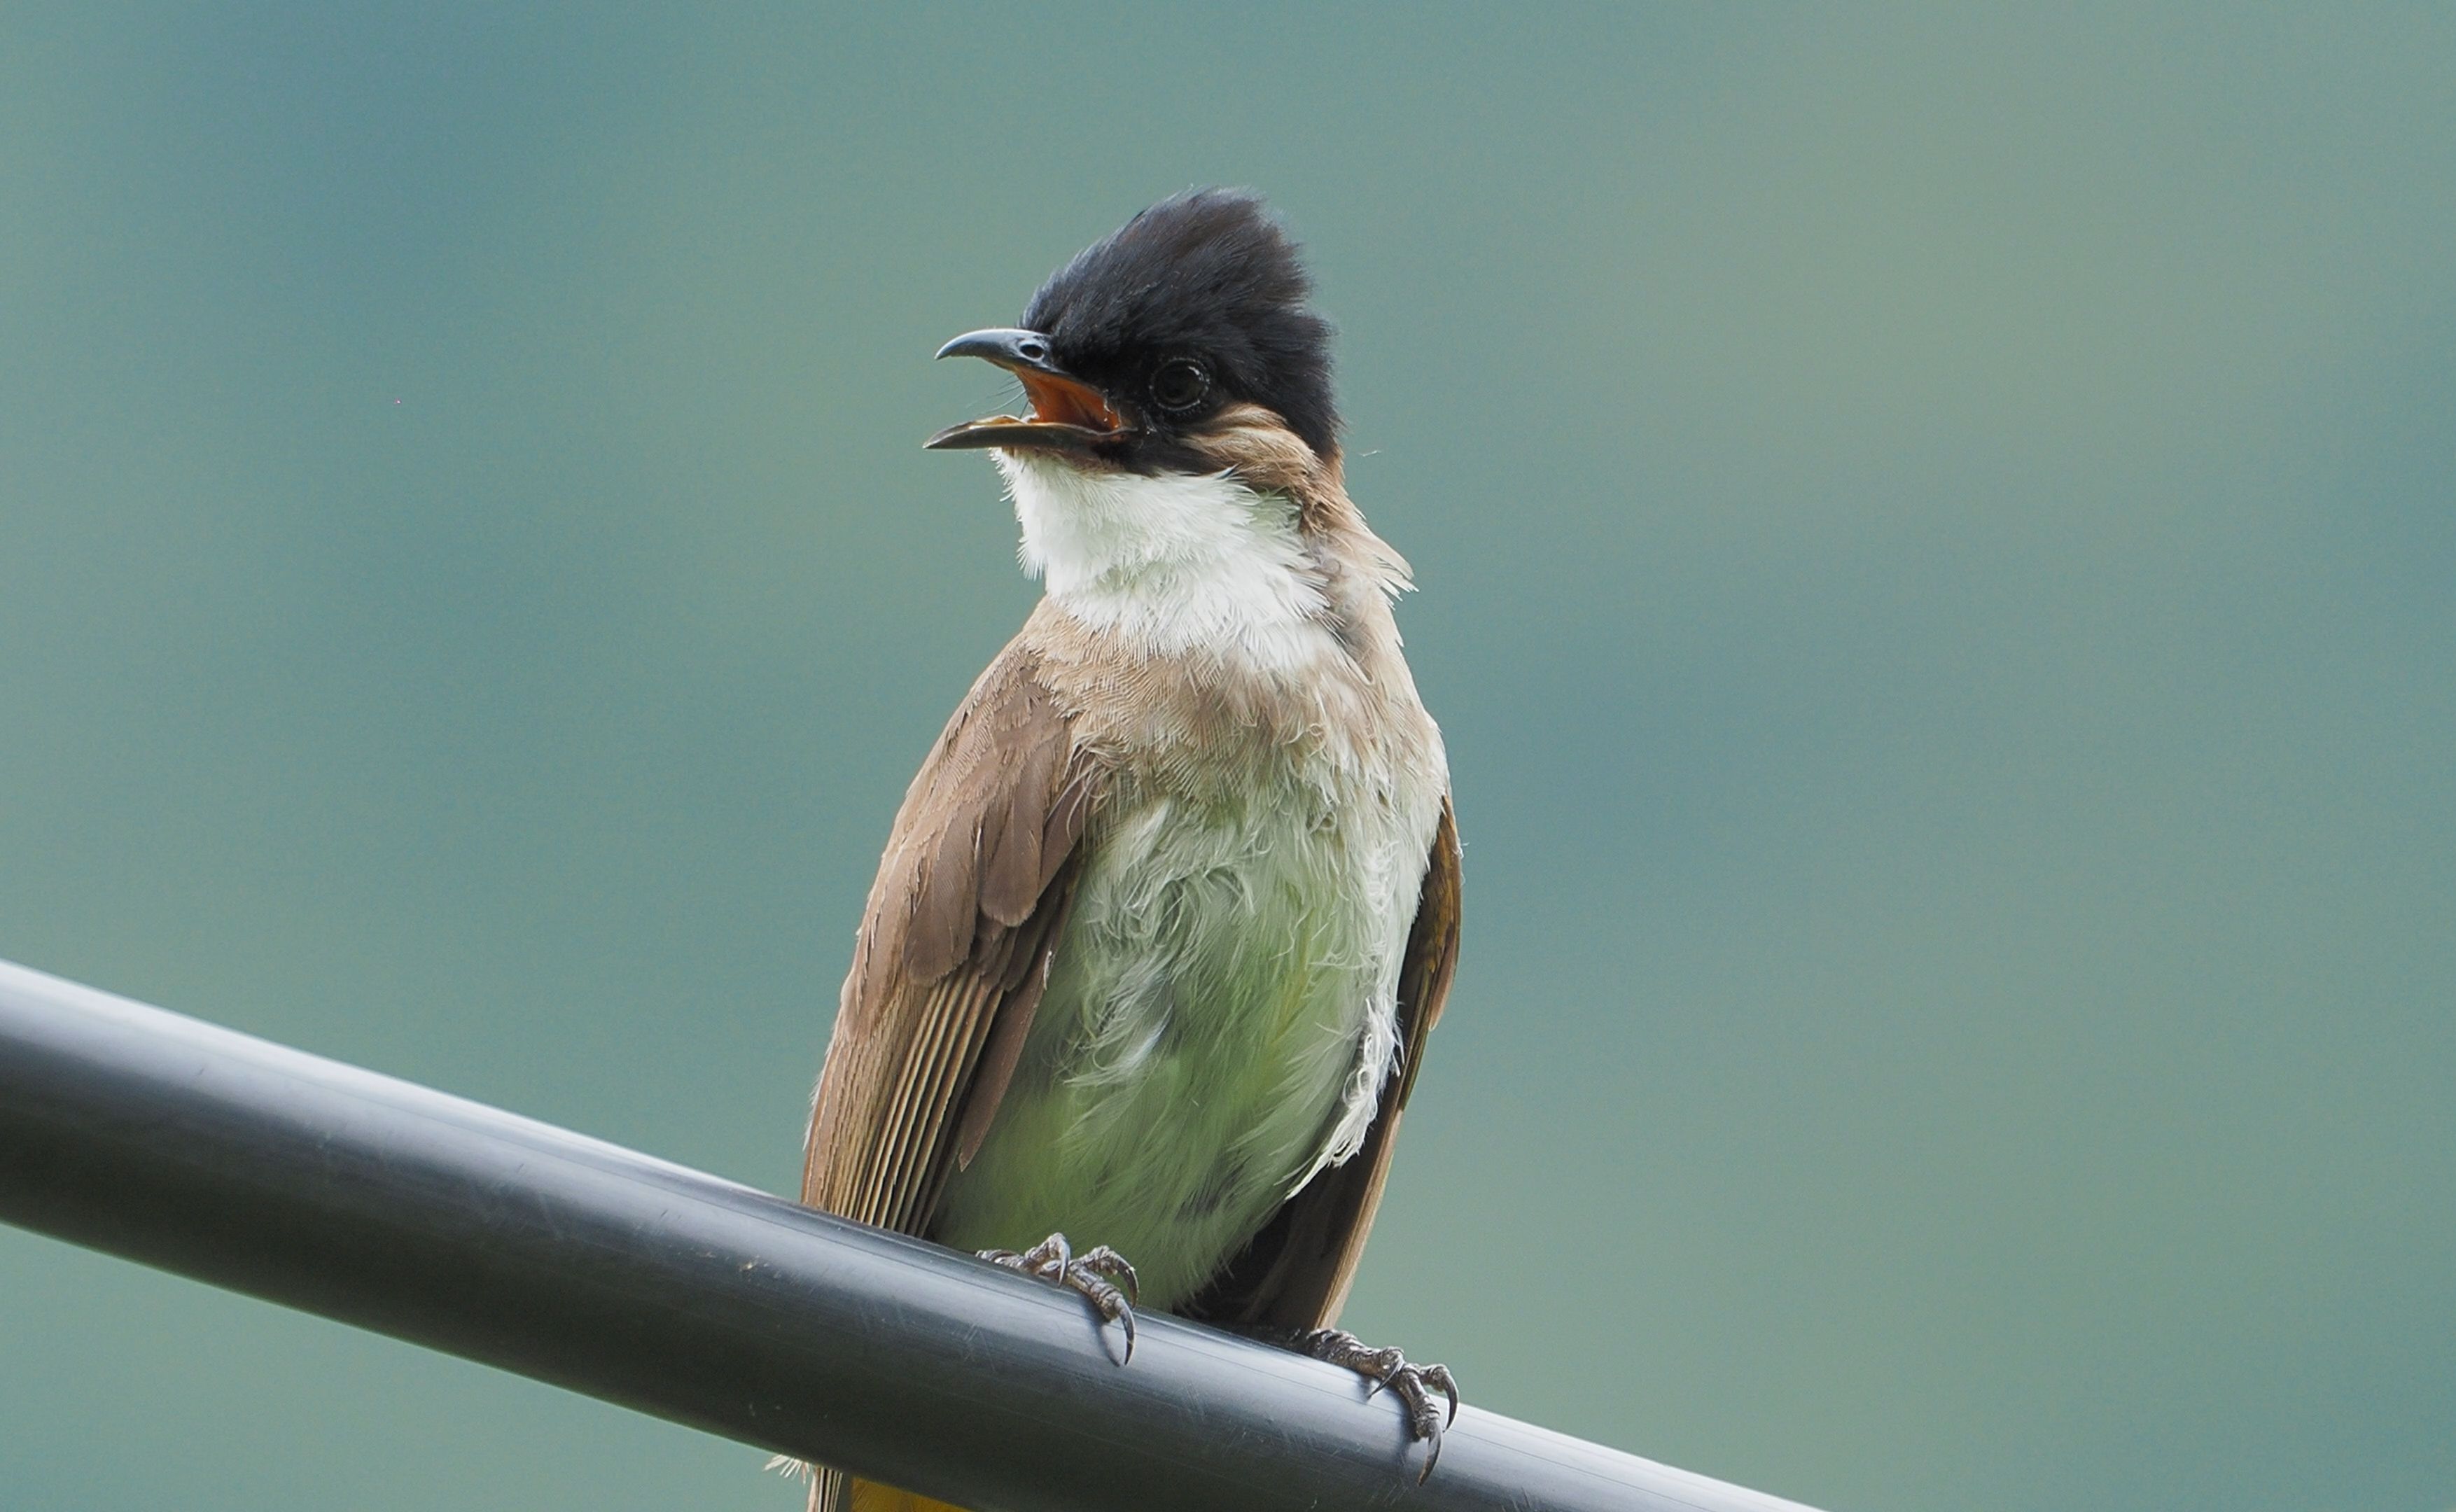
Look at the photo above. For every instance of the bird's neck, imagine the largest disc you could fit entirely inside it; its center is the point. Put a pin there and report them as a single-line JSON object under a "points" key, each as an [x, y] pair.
{"points": [[1178, 563]]}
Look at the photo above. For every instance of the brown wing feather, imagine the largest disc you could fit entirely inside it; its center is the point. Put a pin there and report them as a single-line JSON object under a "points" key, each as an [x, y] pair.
{"points": [[949, 963], [952, 950], [1296, 1271]]}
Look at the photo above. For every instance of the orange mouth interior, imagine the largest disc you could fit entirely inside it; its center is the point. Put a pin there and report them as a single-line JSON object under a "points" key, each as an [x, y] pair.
{"points": [[1062, 401]]}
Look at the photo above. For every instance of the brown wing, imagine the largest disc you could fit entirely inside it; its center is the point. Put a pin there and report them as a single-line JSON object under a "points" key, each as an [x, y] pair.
{"points": [[952, 954], [1296, 1271]]}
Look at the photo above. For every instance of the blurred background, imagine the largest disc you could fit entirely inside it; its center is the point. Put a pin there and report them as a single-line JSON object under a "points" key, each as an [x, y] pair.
{"points": [[1936, 536]]}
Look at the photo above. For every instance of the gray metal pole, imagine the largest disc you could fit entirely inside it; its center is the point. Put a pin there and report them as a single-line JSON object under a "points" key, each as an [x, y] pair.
{"points": [[169, 1141]]}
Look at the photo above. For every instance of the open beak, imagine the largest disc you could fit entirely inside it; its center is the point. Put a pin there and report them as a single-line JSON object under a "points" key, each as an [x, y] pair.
{"points": [[1067, 415]]}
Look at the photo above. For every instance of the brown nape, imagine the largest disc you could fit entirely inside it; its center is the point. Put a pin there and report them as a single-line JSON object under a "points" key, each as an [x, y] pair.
{"points": [[1259, 446]]}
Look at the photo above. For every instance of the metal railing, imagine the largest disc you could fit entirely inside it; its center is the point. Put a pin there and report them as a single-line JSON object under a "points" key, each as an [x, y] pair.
{"points": [[223, 1157]]}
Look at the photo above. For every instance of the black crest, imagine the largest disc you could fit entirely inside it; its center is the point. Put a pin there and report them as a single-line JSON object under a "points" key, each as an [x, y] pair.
{"points": [[1207, 278]]}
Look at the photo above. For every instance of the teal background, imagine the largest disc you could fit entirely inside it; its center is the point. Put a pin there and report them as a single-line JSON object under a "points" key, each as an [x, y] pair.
{"points": [[1936, 532]]}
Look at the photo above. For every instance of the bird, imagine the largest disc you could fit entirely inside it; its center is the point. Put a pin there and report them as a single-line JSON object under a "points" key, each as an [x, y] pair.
{"points": [[1144, 980]]}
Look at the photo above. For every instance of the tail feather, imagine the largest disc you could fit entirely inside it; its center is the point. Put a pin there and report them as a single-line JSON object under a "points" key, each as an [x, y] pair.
{"points": [[868, 1496], [835, 1491]]}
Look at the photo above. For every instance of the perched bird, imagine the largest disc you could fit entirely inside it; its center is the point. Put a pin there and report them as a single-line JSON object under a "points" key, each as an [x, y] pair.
{"points": [[1167, 914]]}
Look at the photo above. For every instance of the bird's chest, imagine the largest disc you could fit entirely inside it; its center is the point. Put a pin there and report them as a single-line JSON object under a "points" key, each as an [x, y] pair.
{"points": [[1218, 1016], [1245, 930]]}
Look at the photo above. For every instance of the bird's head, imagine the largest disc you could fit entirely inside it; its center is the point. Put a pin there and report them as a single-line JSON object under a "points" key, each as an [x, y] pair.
{"points": [[1162, 347]]}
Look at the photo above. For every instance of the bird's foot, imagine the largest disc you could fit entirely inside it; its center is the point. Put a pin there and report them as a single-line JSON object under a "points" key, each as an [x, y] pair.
{"points": [[1101, 1274], [1412, 1384]]}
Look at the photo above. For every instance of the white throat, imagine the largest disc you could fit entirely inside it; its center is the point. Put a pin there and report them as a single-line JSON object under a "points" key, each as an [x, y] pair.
{"points": [[1172, 564]]}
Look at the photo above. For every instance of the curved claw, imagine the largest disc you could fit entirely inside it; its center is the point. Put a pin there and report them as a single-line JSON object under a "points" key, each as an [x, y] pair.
{"points": [[1095, 1275], [1412, 1384], [1118, 1268]]}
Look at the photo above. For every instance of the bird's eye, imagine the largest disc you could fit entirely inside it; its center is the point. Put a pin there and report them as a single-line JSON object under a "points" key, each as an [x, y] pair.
{"points": [[1180, 385]]}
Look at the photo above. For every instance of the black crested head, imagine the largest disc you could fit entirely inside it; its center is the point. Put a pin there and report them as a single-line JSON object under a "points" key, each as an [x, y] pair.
{"points": [[1196, 303]]}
